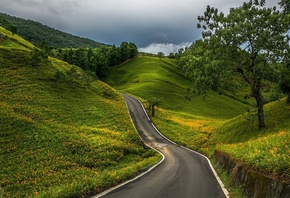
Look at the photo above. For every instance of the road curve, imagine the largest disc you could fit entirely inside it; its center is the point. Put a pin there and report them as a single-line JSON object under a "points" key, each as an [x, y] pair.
{"points": [[183, 173]]}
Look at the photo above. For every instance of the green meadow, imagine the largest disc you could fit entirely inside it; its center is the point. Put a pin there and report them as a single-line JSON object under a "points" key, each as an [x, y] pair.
{"points": [[61, 136], [225, 122]]}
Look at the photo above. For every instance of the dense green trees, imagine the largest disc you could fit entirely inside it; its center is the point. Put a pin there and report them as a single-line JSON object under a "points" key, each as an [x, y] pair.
{"points": [[97, 60], [251, 40], [127, 50]]}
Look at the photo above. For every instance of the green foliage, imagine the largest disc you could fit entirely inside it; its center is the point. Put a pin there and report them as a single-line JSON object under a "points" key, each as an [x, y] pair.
{"points": [[127, 51], [36, 33], [251, 41], [206, 73], [285, 79], [285, 4], [102, 64]]}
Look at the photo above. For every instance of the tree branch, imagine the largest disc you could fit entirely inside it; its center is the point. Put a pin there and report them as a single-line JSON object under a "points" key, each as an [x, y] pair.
{"points": [[241, 71]]}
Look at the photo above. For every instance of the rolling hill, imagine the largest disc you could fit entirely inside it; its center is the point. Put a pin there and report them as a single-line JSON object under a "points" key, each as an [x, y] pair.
{"points": [[36, 33], [192, 121], [61, 135]]}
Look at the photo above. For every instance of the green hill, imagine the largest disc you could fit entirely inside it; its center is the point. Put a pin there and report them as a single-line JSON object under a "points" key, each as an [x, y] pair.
{"points": [[217, 122], [192, 121], [36, 32], [60, 134]]}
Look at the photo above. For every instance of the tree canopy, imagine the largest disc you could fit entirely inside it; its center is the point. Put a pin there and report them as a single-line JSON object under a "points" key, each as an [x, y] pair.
{"points": [[250, 41]]}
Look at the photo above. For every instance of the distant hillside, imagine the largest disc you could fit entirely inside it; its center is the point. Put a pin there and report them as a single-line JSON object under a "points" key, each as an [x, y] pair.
{"points": [[36, 32]]}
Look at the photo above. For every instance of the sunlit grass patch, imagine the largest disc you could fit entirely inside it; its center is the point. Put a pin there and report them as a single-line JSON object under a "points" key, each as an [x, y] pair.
{"points": [[14, 41], [195, 123], [185, 129]]}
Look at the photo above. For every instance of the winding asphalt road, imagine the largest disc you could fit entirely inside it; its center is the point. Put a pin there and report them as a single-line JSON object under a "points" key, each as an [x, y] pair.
{"points": [[182, 174]]}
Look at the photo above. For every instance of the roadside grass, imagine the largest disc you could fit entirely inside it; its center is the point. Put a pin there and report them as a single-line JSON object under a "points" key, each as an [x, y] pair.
{"points": [[62, 138], [267, 150]]}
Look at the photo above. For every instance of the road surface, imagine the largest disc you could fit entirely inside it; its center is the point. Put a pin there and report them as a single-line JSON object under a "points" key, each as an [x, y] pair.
{"points": [[183, 173]]}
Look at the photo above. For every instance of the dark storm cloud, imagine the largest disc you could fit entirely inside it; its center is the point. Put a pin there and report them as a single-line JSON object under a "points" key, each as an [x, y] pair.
{"points": [[114, 21]]}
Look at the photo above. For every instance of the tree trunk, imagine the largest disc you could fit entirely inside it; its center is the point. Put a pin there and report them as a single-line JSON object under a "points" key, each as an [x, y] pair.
{"points": [[261, 117], [260, 106]]}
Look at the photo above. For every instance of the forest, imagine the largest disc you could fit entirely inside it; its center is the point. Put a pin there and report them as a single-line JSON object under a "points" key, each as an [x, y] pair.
{"points": [[97, 60]]}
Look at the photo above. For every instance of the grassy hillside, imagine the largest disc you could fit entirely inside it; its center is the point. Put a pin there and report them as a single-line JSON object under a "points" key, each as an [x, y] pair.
{"points": [[218, 122], [36, 32], [61, 137], [189, 123], [13, 41], [267, 150]]}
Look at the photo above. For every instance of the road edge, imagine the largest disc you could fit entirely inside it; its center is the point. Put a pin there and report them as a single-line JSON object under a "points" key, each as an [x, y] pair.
{"points": [[225, 191], [143, 173]]}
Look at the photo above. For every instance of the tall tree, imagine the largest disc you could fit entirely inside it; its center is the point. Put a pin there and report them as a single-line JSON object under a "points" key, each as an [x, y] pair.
{"points": [[125, 51], [82, 58], [133, 50], [114, 56], [247, 41], [70, 56], [102, 64]]}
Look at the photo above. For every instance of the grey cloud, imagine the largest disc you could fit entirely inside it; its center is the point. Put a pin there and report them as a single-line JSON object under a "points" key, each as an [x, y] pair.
{"points": [[114, 21], [166, 48]]}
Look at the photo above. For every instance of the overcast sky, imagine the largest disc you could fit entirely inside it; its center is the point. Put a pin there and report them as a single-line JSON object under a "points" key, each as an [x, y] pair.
{"points": [[153, 25]]}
